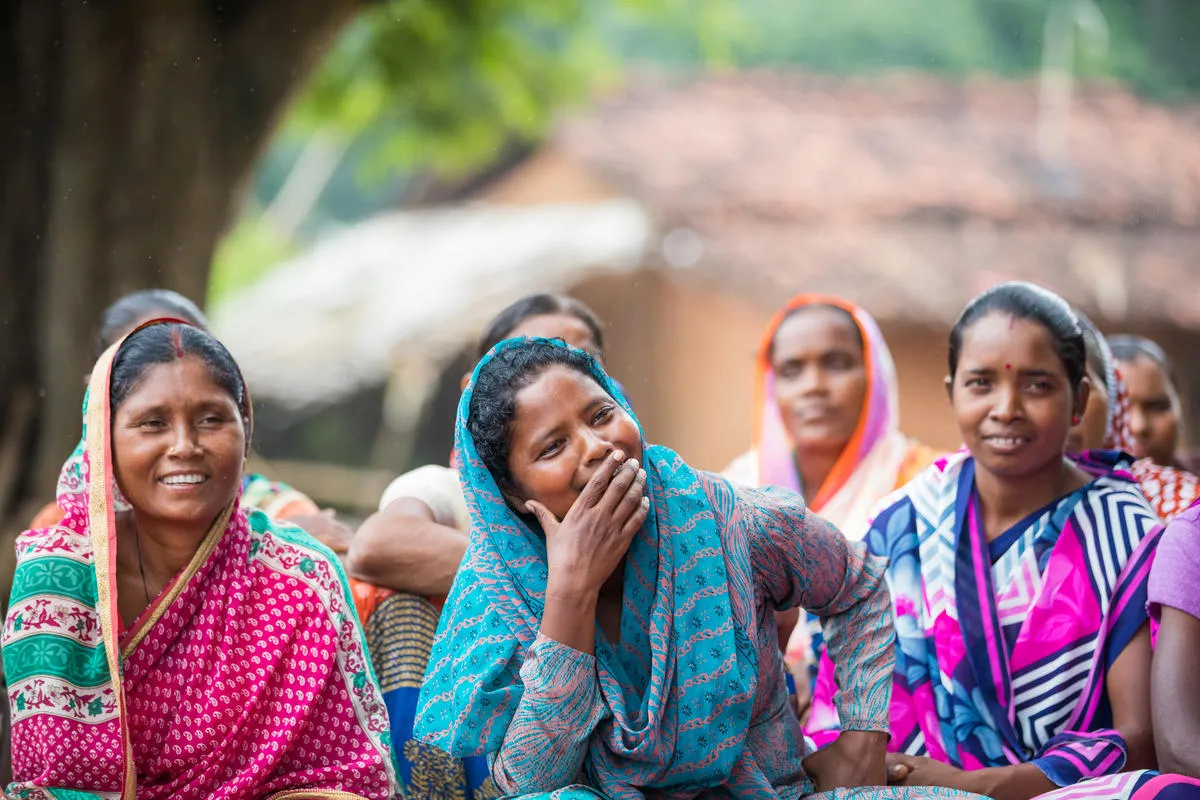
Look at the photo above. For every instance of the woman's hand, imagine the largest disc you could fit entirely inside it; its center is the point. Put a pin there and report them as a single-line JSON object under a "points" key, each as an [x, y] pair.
{"points": [[587, 545], [855, 759], [905, 770]]}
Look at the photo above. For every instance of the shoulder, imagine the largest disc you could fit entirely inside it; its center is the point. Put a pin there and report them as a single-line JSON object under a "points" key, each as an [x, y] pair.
{"points": [[436, 486], [743, 469], [288, 552]]}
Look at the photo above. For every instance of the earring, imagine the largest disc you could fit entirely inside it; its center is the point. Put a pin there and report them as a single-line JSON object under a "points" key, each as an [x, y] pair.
{"points": [[1075, 420]]}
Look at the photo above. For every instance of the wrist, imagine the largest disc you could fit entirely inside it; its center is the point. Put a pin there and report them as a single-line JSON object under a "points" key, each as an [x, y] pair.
{"points": [[863, 744]]}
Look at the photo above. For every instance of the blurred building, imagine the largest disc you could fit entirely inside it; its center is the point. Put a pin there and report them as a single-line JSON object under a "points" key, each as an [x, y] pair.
{"points": [[907, 194]]}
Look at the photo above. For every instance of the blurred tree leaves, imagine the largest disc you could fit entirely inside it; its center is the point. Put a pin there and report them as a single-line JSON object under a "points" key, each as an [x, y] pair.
{"points": [[454, 80]]}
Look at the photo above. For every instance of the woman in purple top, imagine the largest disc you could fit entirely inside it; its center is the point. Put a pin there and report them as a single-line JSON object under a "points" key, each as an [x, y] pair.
{"points": [[611, 630], [1175, 603]]}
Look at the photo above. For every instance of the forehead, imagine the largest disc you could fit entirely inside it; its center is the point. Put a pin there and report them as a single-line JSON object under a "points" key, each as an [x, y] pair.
{"points": [[815, 330], [1143, 376], [567, 327], [1017, 343], [178, 382]]}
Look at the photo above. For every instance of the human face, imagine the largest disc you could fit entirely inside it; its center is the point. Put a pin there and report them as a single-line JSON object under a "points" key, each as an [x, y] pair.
{"points": [[1153, 410], [179, 443], [564, 428], [568, 327], [1090, 433], [820, 378], [1011, 396]]}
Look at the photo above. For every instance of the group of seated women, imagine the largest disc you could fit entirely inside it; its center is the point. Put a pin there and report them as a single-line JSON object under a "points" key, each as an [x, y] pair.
{"points": [[845, 613]]}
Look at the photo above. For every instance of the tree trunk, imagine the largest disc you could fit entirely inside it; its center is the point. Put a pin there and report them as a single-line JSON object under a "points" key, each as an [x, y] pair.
{"points": [[129, 128]]}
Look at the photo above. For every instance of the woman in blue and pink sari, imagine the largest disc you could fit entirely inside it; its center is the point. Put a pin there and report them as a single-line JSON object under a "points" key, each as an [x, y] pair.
{"points": [[1018, 579]]}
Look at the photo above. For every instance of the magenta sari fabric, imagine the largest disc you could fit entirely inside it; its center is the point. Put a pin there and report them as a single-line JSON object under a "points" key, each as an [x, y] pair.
{"points": [[246, 678], [1003, 647]]}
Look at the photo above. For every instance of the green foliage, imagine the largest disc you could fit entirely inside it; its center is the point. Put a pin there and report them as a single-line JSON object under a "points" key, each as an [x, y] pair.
{"points": [[246, 253]]}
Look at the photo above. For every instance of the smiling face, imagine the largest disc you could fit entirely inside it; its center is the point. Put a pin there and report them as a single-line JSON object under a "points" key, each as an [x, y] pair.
{"points": [[820, 378], [564, 427], [1011, 396], [179, 443]]}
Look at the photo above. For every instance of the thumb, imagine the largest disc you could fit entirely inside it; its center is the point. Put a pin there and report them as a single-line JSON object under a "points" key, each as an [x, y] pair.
{"points": [[547, 520], [897, 772]]}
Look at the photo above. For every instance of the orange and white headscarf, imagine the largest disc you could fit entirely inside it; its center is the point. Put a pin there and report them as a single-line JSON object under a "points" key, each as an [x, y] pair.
{"points": [[877, 459]]}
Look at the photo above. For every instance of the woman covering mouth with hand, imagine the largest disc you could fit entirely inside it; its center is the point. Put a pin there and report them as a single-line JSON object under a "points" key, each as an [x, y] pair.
{"points": [[1018, 578]]}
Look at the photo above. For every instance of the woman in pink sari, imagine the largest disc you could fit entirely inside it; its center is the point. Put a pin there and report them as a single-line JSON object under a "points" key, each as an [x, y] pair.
{"points": [[183, 648]]}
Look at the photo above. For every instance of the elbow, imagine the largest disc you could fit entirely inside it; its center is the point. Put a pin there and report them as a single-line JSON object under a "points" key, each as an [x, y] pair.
{"points": [[362, 557]]}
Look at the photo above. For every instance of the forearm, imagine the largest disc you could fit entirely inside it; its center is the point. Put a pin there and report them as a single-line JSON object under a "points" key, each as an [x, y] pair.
{"points": [[547, 740], [1017, 782], [407, 554], [860, 642], [569, 617]]}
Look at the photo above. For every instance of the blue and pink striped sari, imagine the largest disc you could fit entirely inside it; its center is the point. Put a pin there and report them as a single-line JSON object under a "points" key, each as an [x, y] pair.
{"points": [[1003, 647]]}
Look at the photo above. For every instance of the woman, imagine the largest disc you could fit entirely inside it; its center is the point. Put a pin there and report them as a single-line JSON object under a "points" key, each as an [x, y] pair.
{"points": [[611, 626], [1105, 426], [828, 427], [408, 553], [1154, 407], [181, 647], [1018, 578], [1175, 603], [417, 539], [278, 500]]}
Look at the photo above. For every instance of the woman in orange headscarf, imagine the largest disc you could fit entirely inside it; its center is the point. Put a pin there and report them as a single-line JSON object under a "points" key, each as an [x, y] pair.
{"points": [[827, 423]]}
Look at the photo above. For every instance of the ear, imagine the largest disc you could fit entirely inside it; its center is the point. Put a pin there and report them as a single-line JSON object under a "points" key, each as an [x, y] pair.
{"points": [[1081, 396], [948, 382]]}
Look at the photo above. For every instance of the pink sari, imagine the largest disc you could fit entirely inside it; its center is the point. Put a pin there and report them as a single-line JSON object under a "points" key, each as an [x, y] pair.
{"points": [[245, 678]]}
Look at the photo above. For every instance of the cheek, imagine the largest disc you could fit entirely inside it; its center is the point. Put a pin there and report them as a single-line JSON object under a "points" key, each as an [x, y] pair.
{"points": [[851, 393]]}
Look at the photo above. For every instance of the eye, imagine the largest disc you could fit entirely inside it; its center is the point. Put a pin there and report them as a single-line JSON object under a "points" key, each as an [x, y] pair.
{"points": [[550, 450], [602, 415], [838, 361], [978, 383], [790, 370], [152, 423], [1041, 386]]}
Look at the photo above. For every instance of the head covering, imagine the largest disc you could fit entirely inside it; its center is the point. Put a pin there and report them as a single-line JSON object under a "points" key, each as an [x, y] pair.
{"points": [[493, 615], [198, 692], [877, 458], [1168, 489]]}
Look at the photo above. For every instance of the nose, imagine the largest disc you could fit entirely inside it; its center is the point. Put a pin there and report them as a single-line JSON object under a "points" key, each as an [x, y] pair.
{"points": [[813, 380], [1007, 405], [1137, 421], [184, 441], [596, 447]]}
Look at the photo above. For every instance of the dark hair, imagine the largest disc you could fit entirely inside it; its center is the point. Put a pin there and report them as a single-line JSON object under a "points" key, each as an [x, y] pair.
{"points": [[1127, 347], [162, 344], [1022, 300], [130, 309], [494, 398], [1095, 351], [539, 305], [809, 307]]}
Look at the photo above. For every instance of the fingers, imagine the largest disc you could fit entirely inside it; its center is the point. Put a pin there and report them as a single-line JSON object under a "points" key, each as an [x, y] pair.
{"points": [[600, 480], [626, 475], [636, 519], [547, 520], [898, 768], [628, 504]]}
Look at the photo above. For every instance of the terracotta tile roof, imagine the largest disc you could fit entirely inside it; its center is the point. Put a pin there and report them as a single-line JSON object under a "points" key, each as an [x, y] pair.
{"points": [[912, 193]]}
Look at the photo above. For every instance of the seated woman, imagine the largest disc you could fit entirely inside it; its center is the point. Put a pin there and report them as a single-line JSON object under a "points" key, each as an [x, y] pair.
{"points": [[1018, 578], [828, 427], [182, 647], [1175, 603], [404, 559], [1105, 426], [612, 625], [278, 500], [417, 540]]}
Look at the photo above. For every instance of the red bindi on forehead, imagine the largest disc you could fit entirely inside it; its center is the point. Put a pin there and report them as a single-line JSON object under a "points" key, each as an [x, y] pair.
{"points": [[177, 341]]}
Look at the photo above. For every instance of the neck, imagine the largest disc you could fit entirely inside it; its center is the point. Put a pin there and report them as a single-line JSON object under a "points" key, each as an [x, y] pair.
{"points": [[165, 547], [1005, 501], [814, 467]]}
